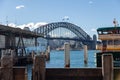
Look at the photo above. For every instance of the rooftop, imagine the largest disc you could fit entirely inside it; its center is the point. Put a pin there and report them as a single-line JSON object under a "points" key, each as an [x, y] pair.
{"points": [[108, 28]]}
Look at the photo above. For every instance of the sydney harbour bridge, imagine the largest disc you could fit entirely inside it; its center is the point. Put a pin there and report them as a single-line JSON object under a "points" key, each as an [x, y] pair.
{"points": [[18, 39], [66, 31]]}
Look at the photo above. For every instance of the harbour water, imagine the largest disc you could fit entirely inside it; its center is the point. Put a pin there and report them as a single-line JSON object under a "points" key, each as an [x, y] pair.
{"points": [[76, 60]]}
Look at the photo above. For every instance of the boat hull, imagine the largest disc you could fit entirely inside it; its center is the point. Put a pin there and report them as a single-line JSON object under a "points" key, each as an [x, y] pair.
{"points": [[116, 58]]}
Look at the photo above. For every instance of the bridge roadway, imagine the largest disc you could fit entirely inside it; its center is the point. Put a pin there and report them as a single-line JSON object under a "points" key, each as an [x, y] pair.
{"points": [[67, 38], [7, 30]]}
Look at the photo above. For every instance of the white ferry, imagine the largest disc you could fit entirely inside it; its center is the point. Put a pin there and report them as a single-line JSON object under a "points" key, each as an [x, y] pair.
{"points": [[110, 38]]}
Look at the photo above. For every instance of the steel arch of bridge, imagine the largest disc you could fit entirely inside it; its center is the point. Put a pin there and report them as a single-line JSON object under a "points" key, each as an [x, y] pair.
{"points": [[45, 29]]}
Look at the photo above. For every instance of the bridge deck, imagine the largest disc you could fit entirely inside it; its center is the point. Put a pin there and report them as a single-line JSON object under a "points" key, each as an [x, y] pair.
{"points": [[7, 30]]}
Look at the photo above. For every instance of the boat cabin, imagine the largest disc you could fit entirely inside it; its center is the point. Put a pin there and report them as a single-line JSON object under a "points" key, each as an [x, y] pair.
{"points": [[110, 37]]}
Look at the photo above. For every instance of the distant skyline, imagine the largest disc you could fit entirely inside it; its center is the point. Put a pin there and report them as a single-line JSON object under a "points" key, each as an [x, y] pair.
{"points": [[87, 14]]}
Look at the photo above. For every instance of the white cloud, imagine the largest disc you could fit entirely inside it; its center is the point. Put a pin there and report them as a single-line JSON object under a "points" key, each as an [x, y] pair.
{"points": [[20, 6], [22, 26], [38, 24], [31, 25], [11, 25], [94, 30], [90, 2]]}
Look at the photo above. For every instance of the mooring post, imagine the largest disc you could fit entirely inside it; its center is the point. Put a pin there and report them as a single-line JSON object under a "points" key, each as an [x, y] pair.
{"points": [[107, 66], [48, 49], [39, 67], [85, 55], [7, 66], [67, 55], [26, 74], [48, 53]]}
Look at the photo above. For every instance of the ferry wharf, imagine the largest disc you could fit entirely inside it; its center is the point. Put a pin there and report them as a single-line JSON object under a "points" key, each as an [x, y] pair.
{"points": [[40, 72], [9, 71], [16, 40]]}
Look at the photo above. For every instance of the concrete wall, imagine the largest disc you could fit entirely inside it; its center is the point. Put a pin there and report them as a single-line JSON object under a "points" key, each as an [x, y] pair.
{"points": [[74, 74], [18, 74], [78, 74], [64, 73]]}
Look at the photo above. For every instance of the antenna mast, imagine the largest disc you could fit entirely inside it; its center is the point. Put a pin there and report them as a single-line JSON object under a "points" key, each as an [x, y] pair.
{"points": [[115, 22]]}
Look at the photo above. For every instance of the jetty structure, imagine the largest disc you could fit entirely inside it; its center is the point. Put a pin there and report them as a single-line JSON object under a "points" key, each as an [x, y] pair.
{"points": [[17, 40], [9, 49]]}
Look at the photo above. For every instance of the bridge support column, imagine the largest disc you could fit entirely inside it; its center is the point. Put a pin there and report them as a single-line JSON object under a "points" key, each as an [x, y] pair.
{"points": [[21, 44], [39, 68], [67, 55], [107, 66], [85, 55]]}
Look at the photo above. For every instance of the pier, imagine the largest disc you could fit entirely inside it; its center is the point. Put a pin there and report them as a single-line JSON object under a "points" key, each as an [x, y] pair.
{"points": [[12, 62], [13, 40], [40, 72]]}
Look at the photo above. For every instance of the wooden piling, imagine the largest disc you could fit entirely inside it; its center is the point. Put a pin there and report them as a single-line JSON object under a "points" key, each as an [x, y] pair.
{"points": [[107, 66], [48, 49], [48, 54], [7, 66], [67, 55], [85, 55], [26, 76], [39, 67]]}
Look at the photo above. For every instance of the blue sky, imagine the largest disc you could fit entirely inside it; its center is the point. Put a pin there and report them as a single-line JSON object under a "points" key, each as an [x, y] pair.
{"points": [[88, 14]]}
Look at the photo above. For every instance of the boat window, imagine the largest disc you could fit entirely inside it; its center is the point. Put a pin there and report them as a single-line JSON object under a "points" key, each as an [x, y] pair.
{"points": [[102, 32], [113, 42], [104, 42], [110, 42], [116, 42], [105, 32], [109, 32], [99, 32], [116, 31]]}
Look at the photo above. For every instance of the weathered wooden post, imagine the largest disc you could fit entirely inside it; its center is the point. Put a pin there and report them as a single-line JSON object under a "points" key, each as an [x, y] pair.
{"points": [[7, 66], [33, 54], [48, 49], [26, 76], [39, 67], [107, 66], [67, 55], [85, 55], [48, 53]]}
